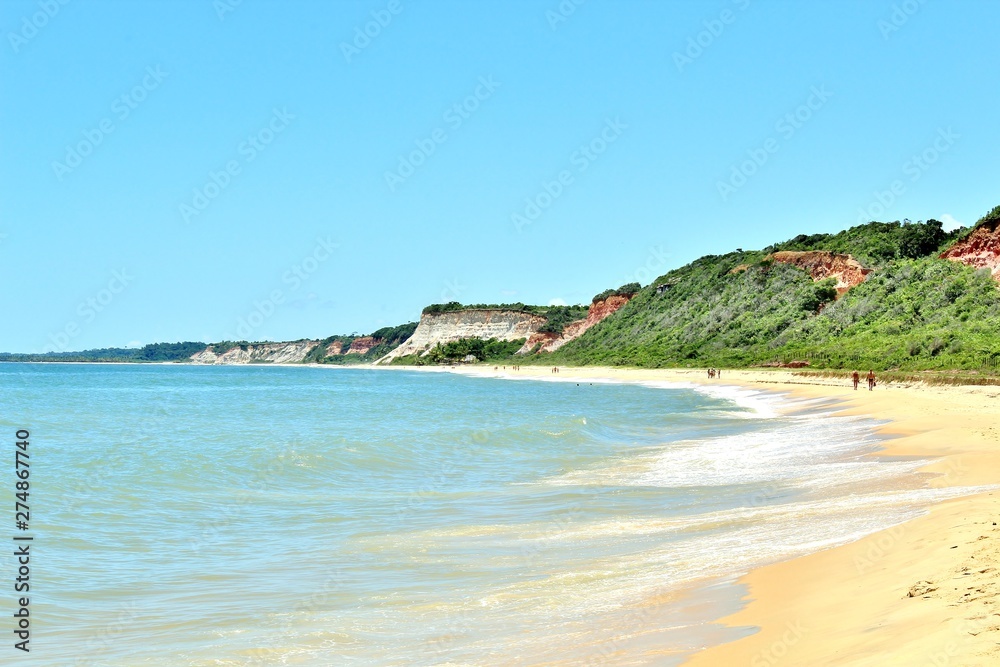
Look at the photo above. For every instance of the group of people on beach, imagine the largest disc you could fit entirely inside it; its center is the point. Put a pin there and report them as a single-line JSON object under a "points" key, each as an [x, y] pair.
{"points": [[871, 380], [513, 368], [714, 373], [555, 369]]}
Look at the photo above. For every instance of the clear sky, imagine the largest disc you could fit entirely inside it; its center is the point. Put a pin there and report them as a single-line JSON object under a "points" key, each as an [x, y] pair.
{"points": [[199, 170]]}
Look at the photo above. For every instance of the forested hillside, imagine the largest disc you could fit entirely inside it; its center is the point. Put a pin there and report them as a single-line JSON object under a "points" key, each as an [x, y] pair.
{"points": [[914, 311]]}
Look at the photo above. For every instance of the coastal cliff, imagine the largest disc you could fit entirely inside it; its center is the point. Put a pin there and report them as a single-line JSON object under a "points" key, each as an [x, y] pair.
{"points": [[980, 249], [256, 353], [550, 341], [363, 344], [447, 327], [822, 264]]}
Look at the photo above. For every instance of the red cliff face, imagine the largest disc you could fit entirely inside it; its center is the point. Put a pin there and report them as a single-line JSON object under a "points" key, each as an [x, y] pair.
{"points": [[363, 344], [980, 249], [821, 264], [601, 309], [336, 347], [545, 339], [597, 312]]}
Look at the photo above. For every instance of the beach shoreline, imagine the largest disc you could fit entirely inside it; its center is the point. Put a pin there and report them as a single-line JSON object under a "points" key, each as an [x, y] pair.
{"points": [[926, 592]]}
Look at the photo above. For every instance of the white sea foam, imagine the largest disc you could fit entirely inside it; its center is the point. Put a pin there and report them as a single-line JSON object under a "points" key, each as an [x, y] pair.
{"points": [[809, 451]]}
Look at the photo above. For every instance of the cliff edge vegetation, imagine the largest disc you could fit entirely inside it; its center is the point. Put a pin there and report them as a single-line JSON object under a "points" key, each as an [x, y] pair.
{"points": [[913, 309]]}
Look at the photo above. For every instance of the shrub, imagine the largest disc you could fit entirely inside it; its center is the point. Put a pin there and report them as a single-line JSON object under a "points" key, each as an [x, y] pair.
{"points": [[629, 289]]}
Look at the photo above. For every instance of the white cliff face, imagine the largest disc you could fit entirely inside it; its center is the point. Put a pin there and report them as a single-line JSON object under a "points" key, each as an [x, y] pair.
{"points": [[448, 327], [277, 353]]}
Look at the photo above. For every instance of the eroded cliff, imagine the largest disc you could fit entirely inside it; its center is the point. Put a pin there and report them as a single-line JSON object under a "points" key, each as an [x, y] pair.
{"points": [[821, 264], [980, 249], [363, 344], [257, 353], [450, 326], [598, 310]]}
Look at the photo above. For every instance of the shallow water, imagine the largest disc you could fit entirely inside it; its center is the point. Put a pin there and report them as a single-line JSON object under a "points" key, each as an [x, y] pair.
{"points": [[311, 516]]}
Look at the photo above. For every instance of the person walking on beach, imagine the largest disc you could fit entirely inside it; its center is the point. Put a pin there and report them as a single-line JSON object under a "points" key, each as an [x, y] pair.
{"points": [[857, 379], [871, 380]]}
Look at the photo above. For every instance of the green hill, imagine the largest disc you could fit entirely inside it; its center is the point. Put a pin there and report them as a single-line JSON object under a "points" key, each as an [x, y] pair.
{"points": [[914, 312]]}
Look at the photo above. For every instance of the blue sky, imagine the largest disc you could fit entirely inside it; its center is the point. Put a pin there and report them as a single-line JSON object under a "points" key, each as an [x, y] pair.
{"points": [[199, 170]]}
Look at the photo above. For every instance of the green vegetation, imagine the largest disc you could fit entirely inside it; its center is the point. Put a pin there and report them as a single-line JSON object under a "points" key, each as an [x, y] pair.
{"points": [[226, 345], [451, 306], [628, 289], [490, 349], [915, 312], [154, 352], [557, 317], [992, 216], [389, 338], [876, 243], [709, 312], [168, 351]]}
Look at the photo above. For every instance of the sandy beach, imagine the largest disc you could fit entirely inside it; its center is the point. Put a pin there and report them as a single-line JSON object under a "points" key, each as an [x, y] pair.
{"points": [[923, 593]]}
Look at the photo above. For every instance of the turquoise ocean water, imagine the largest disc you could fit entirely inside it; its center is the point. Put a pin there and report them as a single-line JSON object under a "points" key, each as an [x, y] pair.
{"points": [[315, 516]]}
